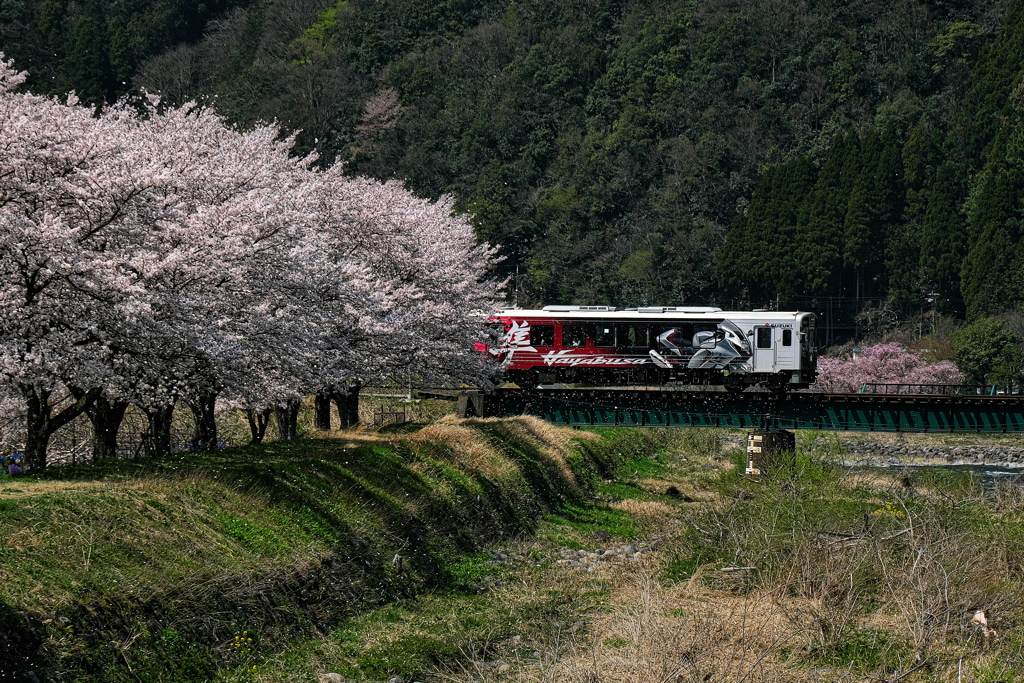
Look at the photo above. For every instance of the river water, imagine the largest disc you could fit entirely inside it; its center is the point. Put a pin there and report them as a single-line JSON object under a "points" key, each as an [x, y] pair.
{"points": [[988, 475]]}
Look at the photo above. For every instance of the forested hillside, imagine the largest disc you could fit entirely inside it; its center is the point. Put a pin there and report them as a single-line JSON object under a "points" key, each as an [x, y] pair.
{"points": [[738, 152]]}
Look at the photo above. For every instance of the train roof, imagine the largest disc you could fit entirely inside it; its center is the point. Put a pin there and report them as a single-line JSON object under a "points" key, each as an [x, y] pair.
{"points": [[645, 313]]}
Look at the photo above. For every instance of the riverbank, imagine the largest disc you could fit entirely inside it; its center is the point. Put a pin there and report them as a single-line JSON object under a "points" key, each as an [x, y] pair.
{"points": [[683, 569], [510, 550], [917, 449], [174, 569]]}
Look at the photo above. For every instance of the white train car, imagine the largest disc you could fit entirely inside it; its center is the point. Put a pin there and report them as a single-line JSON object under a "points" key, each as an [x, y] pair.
{"points": [[603, 345]]}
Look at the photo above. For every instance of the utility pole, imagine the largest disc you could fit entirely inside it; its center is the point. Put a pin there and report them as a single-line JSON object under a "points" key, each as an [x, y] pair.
{"points": [[933, 299]]}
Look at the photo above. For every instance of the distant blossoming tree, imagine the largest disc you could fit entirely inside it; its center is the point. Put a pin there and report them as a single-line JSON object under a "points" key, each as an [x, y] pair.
{"points": [[882, 364]]}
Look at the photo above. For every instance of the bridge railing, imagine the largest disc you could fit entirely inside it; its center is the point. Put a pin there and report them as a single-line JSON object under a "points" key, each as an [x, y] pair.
{"points": [[934, 389]]}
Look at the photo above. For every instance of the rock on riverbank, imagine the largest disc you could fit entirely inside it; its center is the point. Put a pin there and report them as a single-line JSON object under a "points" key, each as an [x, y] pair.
{"points": [[887, 453]]}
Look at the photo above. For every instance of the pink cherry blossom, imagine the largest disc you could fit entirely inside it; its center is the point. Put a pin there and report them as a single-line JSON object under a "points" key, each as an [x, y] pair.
{"points": [[171, 256], [887, 363]]}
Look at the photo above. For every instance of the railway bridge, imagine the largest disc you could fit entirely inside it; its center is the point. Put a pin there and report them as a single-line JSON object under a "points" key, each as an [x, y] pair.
{"points": [[878, 408]]}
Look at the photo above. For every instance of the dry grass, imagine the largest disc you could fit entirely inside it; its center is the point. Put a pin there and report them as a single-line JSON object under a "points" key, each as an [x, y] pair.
{"points": [[467, 447], [683, 633], [470, 449], [658, 633], [888, 599], [686, 488], [20, 488], [553, 442], [650, 512]]}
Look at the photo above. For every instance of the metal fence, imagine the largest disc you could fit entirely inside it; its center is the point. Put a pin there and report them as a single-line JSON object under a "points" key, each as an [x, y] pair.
{"points": [[936, 389]]}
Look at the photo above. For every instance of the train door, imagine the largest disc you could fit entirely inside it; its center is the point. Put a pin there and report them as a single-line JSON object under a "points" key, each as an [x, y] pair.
{"points": [[785, 349], [764, 349]]}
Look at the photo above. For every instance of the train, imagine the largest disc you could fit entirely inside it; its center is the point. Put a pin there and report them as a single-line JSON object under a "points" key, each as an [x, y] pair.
{"points": [[657, 345]]}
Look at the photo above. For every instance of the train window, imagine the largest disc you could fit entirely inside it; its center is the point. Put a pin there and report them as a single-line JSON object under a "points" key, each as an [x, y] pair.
{"points": [[634, 336], [542, 335], [787, 337], [764, 337], [574, 336], [605, 335]]}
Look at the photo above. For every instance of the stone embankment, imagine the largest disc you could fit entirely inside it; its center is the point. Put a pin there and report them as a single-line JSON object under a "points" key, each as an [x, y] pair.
{"points": [[887, 453]]}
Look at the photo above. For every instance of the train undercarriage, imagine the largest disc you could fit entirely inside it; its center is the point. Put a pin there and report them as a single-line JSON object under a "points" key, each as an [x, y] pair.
{"points": [[652, 376]]}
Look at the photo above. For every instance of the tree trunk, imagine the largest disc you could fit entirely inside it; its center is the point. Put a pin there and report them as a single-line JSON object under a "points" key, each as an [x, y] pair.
{"points": [[348, 405], [37, 433], [106, 417], [322, 411], [157, 439], [258, 423], [205, 438], [41, 423], [288, 420]]}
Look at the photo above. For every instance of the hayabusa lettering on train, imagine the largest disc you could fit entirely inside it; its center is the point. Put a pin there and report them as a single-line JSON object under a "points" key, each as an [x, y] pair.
{"points": [[602, 345]]}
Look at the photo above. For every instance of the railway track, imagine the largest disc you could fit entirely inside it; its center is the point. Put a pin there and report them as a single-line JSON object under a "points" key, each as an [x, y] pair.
{"points": [[661, 407]]}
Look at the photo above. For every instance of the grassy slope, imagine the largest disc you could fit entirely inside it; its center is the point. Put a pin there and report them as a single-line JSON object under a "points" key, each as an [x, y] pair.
{"points": [[164, 570], [854, 576], [837, 592]]}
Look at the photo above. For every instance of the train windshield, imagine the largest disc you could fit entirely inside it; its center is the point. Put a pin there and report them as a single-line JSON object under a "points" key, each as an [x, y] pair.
{"points": [[809, 337]]}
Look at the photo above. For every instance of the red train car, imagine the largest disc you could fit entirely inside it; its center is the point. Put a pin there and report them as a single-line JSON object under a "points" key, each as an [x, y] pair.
{"points": [[603, 345]]}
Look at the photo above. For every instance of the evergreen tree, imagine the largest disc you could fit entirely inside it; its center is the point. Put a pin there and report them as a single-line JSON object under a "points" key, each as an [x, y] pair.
{"points": [[757, 258], [942, 242], [818, 243], [996, 73], [994, 221], [52, 28], [860, 247], [89, 70], [920, 156]]}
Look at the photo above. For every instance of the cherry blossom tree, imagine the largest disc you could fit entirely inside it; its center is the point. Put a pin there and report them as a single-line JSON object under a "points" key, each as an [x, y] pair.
{"points": [[887, 363], [168, 256], [68, 198], [429, 288]]}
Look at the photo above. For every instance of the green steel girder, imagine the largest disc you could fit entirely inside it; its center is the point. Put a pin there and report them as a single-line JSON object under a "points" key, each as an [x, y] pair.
{"points": [[835, 412]]}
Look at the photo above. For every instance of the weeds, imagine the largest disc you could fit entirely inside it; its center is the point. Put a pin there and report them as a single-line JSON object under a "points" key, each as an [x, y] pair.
{"points": [[881, 578]]}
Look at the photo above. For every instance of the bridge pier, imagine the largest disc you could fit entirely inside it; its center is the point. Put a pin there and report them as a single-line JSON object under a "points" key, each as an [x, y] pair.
{"points": [[766, 450], [470, 405]]}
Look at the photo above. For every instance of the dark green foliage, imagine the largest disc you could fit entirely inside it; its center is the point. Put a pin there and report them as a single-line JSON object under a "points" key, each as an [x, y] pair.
{"points": [[661, 151], [758, 254], [993, 279], [89, 60], [605, 147], [95, 48], [988, 353], [942, 241], [996, 74]]}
